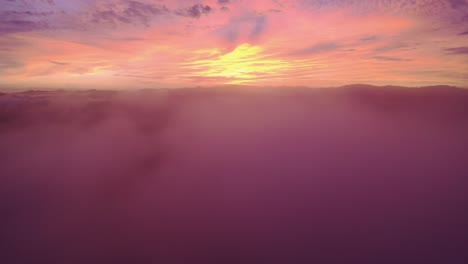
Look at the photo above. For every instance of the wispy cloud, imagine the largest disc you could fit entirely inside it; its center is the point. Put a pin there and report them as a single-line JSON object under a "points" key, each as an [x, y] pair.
{"points": [[328, 42], [318, 48], [195, 11], [59, 63], [131, 12], [15, 26], [457, 51], [386, 58]]}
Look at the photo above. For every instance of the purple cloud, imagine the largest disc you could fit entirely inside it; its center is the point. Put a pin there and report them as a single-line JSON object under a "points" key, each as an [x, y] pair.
{"points": [[23, 21], [132, 12], [458, 3], [259, 27], [59, 63], [318, 48], [372, 38], [445, 11], [457, 51], [195, 11], [387, 58], [13, 26]]}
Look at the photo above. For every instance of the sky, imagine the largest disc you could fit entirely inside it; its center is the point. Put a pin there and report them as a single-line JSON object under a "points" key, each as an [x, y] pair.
{"points": [[159, 43]]}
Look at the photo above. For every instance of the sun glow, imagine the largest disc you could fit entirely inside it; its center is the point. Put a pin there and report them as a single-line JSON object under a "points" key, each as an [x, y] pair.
{"points": [[245, 64]]}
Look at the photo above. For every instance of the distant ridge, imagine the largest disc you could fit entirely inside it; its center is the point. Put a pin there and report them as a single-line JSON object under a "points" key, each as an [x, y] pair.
{"points": [[357, 86], [369, 86]]}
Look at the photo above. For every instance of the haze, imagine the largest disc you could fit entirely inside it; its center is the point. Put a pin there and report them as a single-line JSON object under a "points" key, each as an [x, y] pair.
{"points": [[233, 131], [351, 175]]}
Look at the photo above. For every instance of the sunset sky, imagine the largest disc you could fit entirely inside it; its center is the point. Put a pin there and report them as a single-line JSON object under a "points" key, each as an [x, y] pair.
{"points": [[160, 43]]}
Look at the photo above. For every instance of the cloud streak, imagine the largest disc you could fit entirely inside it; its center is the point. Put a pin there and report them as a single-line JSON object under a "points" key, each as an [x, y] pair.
{"points": [[457, 51], [195, 11], [132, 12], [318, 48]]}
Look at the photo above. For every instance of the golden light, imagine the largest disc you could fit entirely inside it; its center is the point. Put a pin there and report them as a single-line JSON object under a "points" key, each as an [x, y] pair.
{"points": [[245, 64]]}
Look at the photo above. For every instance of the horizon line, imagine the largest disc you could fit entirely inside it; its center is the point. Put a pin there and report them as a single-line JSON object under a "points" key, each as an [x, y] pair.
{"points": [[228, 86]]}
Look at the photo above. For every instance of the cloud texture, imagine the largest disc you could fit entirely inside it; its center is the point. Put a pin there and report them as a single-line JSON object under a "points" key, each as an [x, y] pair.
{"points": [[352, 175], [325, 43]]}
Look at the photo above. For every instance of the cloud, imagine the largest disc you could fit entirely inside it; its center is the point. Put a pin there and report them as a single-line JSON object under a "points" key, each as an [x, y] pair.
{"points": [[259, 27], [443, 11], [370, 38], [457, 51], [396, 46], [258, 175], [59, 63], [318, 48], [458, 3], [15, 26], [95, 15], [136, 76], [130, 12], [136, 36], [223, 2], [8, 44], [386, 58], [463, 33], [109, 16], [21, 14], [246, 27], [25, 17], [127, 39], [8, 63], [195, 11]]}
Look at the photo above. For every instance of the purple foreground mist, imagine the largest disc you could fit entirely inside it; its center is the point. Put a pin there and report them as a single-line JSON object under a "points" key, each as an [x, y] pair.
{"points": [[350, 175]]}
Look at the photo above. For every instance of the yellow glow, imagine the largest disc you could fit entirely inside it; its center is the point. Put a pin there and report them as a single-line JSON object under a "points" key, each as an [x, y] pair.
{"points": [[243, 65]]}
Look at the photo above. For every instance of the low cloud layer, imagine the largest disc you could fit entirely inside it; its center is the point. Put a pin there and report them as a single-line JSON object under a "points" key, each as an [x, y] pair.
{"points": [[349, 175]]}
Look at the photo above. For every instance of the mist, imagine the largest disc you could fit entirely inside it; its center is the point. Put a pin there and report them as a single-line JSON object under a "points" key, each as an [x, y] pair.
{"points": [[355, 174]]}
